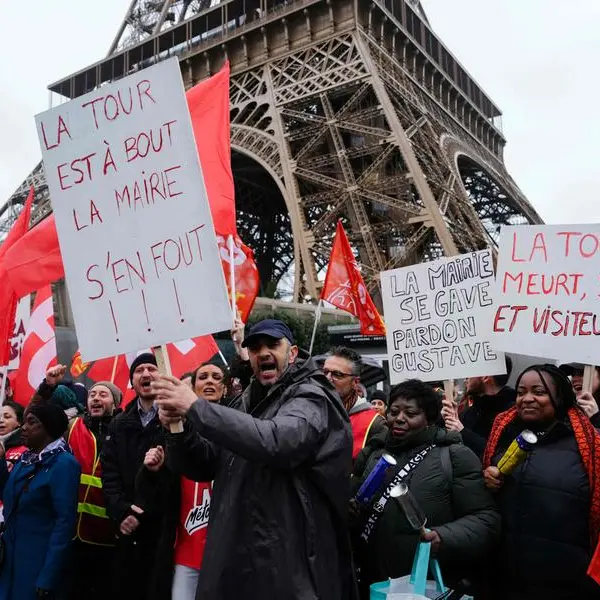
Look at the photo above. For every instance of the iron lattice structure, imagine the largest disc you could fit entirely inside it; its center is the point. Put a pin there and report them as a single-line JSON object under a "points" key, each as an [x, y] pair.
{"points": [[339, 110]]}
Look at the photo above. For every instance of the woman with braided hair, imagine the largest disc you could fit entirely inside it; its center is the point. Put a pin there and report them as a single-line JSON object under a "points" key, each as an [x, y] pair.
{"points": [[550, 504]]}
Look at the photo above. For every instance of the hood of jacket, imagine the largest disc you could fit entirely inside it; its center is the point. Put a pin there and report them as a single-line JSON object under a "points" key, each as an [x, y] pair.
{"points": [[497, 403], [14, 439], [360, 405]]}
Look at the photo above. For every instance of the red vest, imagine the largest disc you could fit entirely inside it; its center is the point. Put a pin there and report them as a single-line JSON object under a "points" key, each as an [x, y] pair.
{"points": [[361, 425], [93, 525], [193, 521]]}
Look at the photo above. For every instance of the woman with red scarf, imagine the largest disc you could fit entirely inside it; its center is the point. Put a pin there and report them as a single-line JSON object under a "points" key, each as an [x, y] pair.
{"points": [[550, 503]]}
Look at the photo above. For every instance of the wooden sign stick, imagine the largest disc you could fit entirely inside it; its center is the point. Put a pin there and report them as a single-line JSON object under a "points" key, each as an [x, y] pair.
{"points": [[164, 368], [588, 378], [449, 392]]}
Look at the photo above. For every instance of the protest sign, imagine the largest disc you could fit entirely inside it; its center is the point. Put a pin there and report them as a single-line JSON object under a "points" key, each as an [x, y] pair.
{"points": [[18, 337], [547, 292], [137, 240], [438, 319]]}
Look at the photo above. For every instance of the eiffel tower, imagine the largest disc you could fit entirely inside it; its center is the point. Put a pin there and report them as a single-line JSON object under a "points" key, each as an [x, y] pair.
{"points": [[340, 109]]}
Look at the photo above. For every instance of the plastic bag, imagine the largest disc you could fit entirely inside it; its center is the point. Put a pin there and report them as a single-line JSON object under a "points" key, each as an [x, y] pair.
{"points": [[414, 586]]}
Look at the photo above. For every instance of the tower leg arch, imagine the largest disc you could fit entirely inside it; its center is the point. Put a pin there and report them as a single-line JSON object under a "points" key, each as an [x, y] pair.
{"points": [[262, 204]]}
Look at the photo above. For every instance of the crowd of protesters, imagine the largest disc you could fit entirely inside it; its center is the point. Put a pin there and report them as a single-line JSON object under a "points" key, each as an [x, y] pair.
{"points": [[199, 489]]}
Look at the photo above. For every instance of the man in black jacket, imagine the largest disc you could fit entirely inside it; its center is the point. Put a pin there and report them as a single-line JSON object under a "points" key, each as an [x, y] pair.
{"points": [[132, 434], [279, 458], [490, 396]]}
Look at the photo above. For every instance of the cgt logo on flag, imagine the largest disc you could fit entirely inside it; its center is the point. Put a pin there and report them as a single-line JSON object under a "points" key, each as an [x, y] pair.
{"points": [[78, 367], [17, 340], [345, 289], [39, 348], [342, 297], [247, 281]]}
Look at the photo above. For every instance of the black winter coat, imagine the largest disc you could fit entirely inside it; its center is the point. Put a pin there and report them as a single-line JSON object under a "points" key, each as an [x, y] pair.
{"points": [[122, 457], [160, 493], [100, 427], [452, 495], [278, 523], [545, 506], [478, 419]]}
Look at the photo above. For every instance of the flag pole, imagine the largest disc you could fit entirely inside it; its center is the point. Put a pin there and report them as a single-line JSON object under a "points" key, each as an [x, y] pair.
{"points": [[114, 369], [223, 358], [314, 331], [230, 243]]}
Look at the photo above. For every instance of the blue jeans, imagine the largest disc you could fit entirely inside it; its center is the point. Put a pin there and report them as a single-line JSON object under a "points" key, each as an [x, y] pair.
{"points": [[185, 582]]}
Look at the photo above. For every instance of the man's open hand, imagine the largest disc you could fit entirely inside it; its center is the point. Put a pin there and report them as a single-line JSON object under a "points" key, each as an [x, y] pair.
{"points": [[173, 397]]}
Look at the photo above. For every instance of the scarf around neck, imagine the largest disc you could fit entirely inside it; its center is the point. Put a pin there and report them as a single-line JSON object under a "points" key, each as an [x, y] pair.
{"points": [[56, 447], [4, 438]]}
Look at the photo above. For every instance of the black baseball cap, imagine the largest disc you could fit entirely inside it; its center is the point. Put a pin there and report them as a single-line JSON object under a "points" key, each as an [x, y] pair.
{"points": [[271, 328], [570, 369]]}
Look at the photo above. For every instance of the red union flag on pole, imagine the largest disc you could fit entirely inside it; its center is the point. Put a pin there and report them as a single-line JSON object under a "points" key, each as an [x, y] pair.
{"points": [[344, 286], [39, 348], [8, 298], [247, 281], [208, 102]]}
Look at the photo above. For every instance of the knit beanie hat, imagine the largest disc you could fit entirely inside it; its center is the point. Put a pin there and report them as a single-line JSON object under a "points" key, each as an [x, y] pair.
{"points": [[65, 398], [147, 358], [114, 390], [80, 391], [52, 418]]}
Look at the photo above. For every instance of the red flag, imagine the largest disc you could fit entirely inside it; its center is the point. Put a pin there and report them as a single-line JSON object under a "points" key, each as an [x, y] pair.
{"points": [[344, 286], [208, 102], [184, 356], [593, 570], [35, 261], [78, 367], [39, 348], [8, 298], [113, 369], [247, 281]]}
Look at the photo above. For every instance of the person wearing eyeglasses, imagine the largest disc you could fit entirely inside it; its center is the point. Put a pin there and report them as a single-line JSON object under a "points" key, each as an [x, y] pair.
{"points": [[342, 368]]}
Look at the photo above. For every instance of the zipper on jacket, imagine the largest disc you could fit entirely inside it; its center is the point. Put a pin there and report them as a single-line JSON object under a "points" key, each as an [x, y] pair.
{"points": [[230, 464]]}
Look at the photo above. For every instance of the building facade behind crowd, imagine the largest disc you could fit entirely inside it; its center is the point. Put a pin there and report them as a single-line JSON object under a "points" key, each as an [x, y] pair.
{"points": [[255, 497]]}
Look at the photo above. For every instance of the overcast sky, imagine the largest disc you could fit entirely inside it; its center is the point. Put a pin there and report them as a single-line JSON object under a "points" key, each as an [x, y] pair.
{"points": [[537, 59]]}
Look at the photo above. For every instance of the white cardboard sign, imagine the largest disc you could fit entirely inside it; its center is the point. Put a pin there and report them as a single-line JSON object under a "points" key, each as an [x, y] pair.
{"points": [[438, 319], [547, 292], [135, 230]]}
